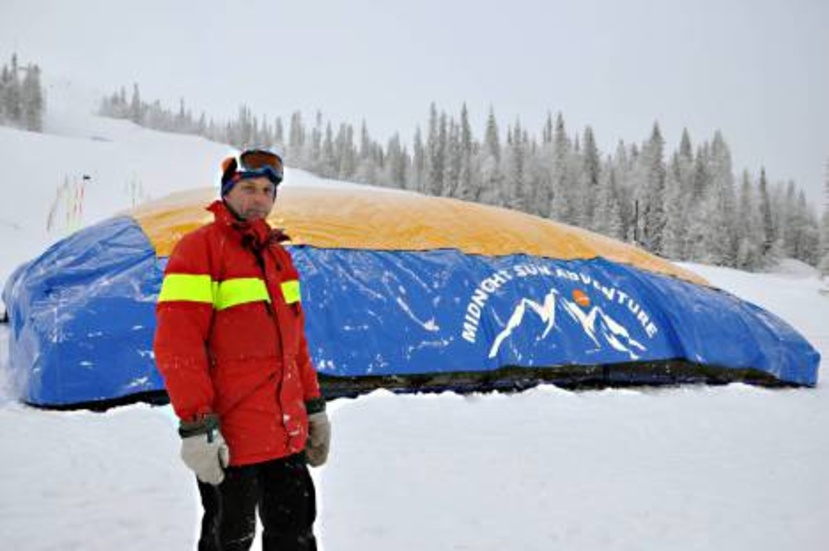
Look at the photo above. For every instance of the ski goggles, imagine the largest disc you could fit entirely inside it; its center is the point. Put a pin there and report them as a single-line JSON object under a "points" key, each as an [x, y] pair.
{"points": [[252, 163]]}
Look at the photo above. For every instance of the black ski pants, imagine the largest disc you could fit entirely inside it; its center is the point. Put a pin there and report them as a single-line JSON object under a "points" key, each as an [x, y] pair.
{"points": [[283, 492]]}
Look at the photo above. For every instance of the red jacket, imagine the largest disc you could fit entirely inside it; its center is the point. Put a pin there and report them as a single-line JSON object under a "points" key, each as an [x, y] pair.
{"points": [[230, 337]]}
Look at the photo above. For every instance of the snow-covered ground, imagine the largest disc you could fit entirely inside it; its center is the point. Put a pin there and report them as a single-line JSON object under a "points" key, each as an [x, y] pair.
{"points": [[725, 468]]}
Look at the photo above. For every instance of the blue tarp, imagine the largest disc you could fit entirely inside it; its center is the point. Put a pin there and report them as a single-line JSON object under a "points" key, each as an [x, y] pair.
{"points": [[387, 313], [82, 316]]}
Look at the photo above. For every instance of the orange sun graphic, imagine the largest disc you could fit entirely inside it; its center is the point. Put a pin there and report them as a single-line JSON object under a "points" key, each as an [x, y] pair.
{"points": [[581, 298]]}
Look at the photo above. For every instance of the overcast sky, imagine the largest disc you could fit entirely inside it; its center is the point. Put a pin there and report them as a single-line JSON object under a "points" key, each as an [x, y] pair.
{"points": [[758, 70]]}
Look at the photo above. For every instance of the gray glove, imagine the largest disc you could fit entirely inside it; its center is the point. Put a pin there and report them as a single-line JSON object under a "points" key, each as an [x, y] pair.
{"points": [[319, 439], [203, 449]]}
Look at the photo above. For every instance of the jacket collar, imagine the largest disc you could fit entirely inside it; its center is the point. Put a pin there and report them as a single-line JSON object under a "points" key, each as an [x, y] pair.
{"points": [[258, 231]]}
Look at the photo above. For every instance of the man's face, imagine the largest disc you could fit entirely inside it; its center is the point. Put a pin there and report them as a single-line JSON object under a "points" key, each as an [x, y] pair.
{"points": [[252, 198]]}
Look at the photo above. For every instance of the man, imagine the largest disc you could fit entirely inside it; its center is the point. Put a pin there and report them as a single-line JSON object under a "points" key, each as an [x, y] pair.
{"points": [[231, 347]]}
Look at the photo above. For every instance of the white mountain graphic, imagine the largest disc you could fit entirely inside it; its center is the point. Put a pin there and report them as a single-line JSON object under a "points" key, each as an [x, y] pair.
{"points": [[598, 326]]}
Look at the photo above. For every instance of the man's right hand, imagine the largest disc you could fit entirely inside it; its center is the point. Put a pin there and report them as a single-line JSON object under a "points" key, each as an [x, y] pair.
{"points": [[319, 439], [203, 448]]}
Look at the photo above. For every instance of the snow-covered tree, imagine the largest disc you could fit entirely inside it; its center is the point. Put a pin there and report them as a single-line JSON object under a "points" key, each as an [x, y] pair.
{"points": [[548, 131], [516, 186], [201, 126], [701, 180], [246, 129], [490, 162], [675, 208], [296, 136], [686, 151], [720, 240], [768, 237], [418, 178], [466, 168], [5, 82], [806, 232], [588, 180], [824, 228], [748, 227], [396, 163], [346, 152], [454, 161], [608, 213], [32, 99], [279, 133], [328, 164], [367, 168], [136, 111], [542, 194], [562, 206], [685, 165], [22, 102], [650, 192], [624, 170], [787, 220], [317, 135], [436, 151], [13, 105]]}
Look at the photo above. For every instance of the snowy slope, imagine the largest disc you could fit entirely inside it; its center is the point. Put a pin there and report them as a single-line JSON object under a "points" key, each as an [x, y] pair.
{"points": [[692, 468], [793, 288]]}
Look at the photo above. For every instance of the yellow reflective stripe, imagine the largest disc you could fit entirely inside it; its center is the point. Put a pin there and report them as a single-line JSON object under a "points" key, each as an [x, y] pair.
{"points": [[187, 287], [290, 291], [223, 294], [233, 292]]}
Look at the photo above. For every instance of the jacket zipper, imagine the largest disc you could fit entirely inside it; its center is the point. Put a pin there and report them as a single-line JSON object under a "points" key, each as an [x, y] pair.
{"points": [[260, 261]]}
